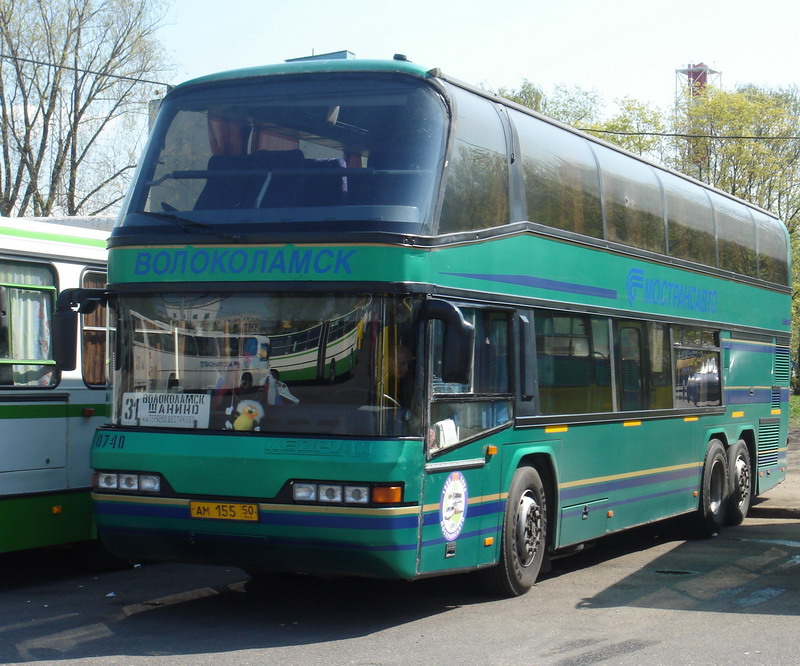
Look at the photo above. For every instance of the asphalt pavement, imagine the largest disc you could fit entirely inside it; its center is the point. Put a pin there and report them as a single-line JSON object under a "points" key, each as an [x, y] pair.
{"points": [[783, 501]]}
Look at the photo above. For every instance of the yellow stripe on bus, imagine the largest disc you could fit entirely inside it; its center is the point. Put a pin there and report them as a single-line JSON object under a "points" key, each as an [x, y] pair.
{"points": [[628, 475]]}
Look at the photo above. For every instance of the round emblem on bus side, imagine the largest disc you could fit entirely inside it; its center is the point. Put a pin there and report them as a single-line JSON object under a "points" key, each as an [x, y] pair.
{"points": [[453, 506]]}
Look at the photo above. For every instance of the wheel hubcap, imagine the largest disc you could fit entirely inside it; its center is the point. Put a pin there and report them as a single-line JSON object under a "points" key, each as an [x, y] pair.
{"points": [[742, 480], [528, 528], [716, 488]]}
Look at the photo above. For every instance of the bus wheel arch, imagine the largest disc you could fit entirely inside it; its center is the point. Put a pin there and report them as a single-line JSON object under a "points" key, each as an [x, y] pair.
{"points": [[714, 490], [524, 536], [741, 479]]}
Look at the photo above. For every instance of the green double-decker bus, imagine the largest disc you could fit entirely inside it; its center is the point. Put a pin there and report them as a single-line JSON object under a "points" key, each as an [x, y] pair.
{"points": [[482, 338]]}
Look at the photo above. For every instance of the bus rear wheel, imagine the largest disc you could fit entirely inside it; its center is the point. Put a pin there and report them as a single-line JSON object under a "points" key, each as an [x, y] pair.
{"points": [[524, 537], [741, 483], [711, 514]]}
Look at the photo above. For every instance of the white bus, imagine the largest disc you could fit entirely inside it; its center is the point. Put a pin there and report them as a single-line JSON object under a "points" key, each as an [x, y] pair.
{"points": [[48, 417]]}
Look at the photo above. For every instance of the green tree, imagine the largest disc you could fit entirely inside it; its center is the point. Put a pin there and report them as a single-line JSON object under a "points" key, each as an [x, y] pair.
{"points": [[756, 158], [73, 100], [570, 105], [637, 127]]}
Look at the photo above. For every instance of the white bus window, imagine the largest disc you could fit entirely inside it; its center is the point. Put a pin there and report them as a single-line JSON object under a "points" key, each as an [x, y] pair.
{"points": [[93, 353], [28, 292]]}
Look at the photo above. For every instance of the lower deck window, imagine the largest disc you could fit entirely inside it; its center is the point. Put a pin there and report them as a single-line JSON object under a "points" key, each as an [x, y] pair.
{"points": [[589, 364]]}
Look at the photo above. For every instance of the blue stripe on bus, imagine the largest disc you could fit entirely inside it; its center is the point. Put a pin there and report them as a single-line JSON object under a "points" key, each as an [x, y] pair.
{"points": [[543, 283], [765, 348], [265, 517], [463, 535], [632, 482], [630, 500], [258, 540], [473, 510], [741, 396]]}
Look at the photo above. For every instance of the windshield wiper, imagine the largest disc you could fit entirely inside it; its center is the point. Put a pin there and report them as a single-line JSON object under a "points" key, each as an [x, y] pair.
{"points": [[192, 225]]}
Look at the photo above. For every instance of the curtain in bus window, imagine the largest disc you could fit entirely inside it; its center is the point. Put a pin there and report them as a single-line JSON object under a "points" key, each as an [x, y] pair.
{"points": [[660, 367], [476, 195], [226, 137], [93, 354], [562, 183], [29, 314], [264, 139]]}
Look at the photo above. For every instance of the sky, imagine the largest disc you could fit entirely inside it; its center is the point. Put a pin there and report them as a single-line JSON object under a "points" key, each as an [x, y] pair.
{"points": [[620, 48]]}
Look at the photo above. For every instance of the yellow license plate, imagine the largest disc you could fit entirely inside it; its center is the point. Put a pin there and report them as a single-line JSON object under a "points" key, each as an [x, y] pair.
{"points": [[223, 511]]}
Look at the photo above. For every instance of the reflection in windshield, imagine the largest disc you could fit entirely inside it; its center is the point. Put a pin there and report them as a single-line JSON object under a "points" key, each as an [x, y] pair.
{"points": [[333, 364], [306, 149]]}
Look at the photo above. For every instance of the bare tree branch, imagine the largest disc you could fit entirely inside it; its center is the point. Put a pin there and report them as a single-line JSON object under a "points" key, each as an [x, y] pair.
{"points": [[74, 77]]}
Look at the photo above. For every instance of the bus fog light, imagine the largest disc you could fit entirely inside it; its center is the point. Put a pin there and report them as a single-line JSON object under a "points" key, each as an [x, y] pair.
{"points": [[150, 483], [304, 492], [129, 482], [356, 495], [330, 493], [107, 481]]}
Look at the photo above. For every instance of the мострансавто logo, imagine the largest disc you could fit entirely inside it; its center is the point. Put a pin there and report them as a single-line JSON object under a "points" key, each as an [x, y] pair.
{"points": [[666, 294]]}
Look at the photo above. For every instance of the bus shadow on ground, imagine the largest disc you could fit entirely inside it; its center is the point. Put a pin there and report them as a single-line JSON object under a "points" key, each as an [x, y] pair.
{"points": [[167, 610], [245, 614], [749, 569]]}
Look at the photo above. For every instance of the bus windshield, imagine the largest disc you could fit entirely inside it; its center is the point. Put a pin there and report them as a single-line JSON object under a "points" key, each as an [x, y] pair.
{"points": [[279, 363], [355, 148]]}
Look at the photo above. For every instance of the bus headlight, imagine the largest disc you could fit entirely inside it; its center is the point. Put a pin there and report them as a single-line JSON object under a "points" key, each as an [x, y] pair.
{"points": [[304, 492], [127, 481], [325, 492], [330, 493], [150, 483], [356, 495], [107, 481]]}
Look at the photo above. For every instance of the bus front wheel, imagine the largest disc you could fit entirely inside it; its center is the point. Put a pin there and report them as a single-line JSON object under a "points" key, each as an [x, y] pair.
{"points": [[741, 483], [524, 537], [714, 493]]}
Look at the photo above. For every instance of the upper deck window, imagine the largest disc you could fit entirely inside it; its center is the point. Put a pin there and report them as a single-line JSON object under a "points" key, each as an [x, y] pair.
{"points": [[633, 208], [562, 187], [690, 220], [736, 236], [355, 148], [476, 196], [773, 262]]}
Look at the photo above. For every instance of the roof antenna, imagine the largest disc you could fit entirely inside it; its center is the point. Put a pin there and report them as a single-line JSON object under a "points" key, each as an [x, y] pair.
{"points": [[402, 57]]}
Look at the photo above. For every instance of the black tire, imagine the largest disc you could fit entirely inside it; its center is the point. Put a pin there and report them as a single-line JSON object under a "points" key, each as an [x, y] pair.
{"points": [[740, 474], [714, 491], [524, 539]]}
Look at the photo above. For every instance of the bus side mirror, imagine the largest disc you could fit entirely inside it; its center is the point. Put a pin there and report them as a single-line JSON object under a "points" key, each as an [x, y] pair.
{"points": [[459, 341], [69, 304]]}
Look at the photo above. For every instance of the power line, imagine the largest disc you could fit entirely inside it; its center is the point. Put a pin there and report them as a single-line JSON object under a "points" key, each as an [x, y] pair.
{"points": [[691, 136], [83, 71]]}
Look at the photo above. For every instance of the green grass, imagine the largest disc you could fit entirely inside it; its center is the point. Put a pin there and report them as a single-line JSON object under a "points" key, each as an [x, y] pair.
{"points": [[794, 411]]}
